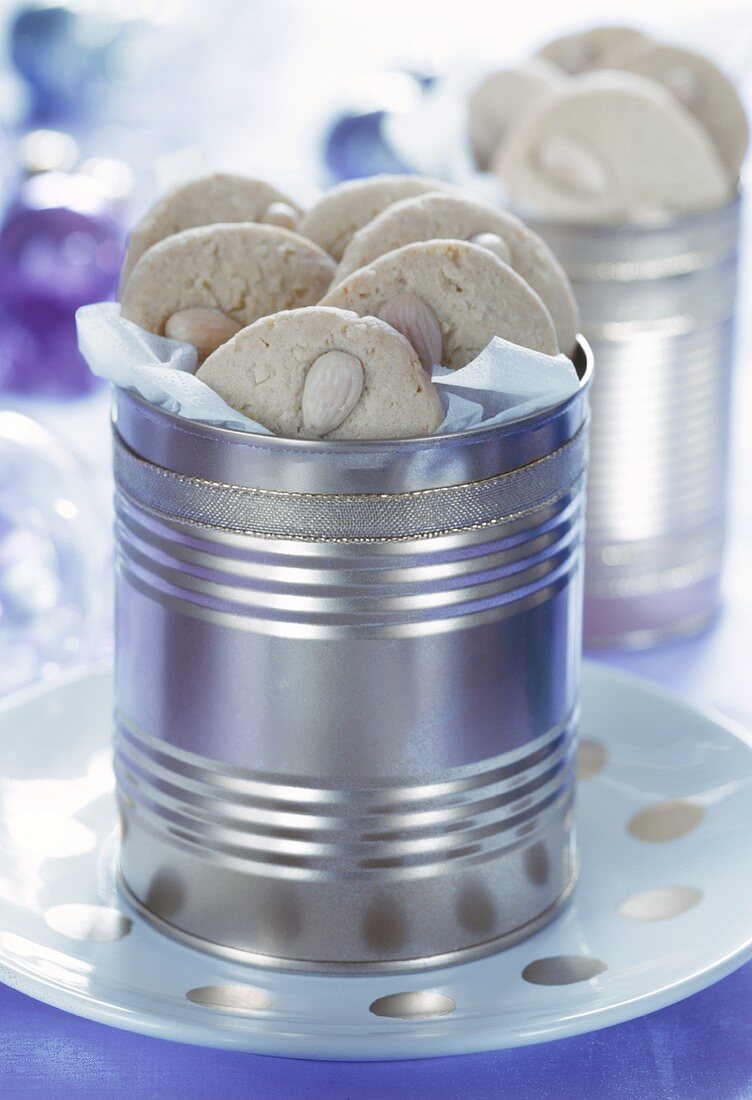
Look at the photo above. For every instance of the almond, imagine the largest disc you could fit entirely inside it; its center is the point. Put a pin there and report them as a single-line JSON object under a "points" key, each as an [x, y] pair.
{"points": [[566, 161], [410, 315], [331, 391], [494, 243], [280, 213], [204, 327]]}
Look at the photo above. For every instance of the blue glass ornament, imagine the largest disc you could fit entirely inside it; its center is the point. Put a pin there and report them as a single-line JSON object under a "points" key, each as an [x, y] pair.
{"points": [[355, 147], [62, 54], [355, 144]]}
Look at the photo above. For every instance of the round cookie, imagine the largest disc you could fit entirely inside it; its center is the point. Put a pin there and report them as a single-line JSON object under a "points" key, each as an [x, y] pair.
{"points": [[301, 371], [466, 290], [446, 216], [611, 146], [348, 206], [242, 270], [701, 87], [216, 198], [499, 100], [584, 51]]}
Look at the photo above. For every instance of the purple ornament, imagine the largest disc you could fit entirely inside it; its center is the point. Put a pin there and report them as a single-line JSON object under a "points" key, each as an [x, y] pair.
{"points": [[39, 352], [60, 247], [59, 242]]}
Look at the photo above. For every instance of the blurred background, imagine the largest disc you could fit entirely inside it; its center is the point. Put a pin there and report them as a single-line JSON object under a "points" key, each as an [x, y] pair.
{"points": [[105, 104]]}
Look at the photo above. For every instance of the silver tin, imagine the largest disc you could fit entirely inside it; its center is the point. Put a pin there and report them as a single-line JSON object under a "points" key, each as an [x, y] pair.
{"points": [[658, 303], [347, 685]]}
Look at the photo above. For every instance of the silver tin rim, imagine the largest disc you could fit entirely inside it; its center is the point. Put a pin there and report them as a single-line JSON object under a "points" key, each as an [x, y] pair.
{"points": [[646, 221], [347, 466]]}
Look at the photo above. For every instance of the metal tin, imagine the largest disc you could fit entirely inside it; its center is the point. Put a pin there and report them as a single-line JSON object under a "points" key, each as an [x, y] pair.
{"points": [[658, 303], [347, 685]]}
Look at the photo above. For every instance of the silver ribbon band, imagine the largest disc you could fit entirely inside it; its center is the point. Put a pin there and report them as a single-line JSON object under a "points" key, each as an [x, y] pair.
{"points": [[364, 517]]}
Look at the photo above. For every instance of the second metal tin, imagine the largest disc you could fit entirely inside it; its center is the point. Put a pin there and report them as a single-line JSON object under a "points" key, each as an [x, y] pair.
{"points": [[347, 684], [658, 302]]}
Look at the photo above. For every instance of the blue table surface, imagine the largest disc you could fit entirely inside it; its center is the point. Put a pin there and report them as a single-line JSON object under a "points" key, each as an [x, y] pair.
{"points": [[698, 1049]]}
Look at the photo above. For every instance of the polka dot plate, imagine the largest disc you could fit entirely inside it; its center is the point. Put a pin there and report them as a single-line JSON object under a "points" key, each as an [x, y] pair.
{"points": [[661, 910]]}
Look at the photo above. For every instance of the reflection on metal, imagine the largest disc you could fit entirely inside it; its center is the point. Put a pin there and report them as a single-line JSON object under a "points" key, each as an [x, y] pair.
{"points": [[658, 303]]}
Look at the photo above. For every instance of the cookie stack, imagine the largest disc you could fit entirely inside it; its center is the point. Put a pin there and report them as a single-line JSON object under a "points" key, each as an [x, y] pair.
{"points": [[609, 125], [327, 324]]}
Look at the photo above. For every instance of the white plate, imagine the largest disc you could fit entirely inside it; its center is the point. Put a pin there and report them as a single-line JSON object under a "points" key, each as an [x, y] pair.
{"points": [[67, 938]]}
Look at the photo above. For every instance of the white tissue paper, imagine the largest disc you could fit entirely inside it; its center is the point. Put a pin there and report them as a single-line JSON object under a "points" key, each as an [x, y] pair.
{"points": [[505, 382]]}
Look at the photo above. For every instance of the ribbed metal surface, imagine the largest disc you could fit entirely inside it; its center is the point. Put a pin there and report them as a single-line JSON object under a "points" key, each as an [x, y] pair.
{"points": [[278, 868], [658, 302], [351, 754]]}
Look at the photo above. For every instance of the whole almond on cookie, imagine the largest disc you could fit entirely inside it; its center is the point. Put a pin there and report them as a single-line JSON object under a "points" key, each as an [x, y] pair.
{"points": [[570, 163], [331, 391], [410, 315], [204, 327]]}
